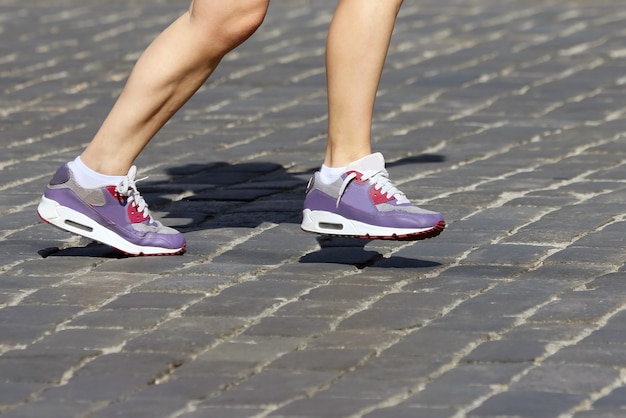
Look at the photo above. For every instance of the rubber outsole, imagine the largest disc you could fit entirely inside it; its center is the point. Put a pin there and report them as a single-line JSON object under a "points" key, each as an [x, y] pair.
{"points": [[333, 225], [74, 222]]}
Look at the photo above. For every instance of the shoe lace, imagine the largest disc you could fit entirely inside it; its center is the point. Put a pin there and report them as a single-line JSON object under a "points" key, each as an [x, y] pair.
{"points": [[379, 179], [128, 189]]}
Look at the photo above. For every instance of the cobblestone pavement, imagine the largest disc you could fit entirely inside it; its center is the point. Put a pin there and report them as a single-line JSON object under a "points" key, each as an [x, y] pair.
{"points": [[507, 116]]}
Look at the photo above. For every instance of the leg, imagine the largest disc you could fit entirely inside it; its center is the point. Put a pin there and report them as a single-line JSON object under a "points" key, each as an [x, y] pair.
{"points": [[96, 196], [168, 73], [358, 40], [352, 194]]}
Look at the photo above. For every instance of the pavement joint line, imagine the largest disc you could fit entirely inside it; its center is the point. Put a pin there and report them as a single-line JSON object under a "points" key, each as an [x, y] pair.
{"points": [[551, 349], [587, 404]]}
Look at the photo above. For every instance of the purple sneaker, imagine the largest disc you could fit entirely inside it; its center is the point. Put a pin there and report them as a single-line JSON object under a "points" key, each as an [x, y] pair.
{"points": [[115, 215], [363, 203]]}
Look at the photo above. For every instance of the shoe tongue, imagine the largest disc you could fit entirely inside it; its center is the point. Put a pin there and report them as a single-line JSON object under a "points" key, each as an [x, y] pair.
{"points": [[372, 162]]}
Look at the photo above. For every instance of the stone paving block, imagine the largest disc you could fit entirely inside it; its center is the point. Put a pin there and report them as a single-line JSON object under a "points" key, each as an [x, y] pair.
{"points": [[459, 321], [598, 413], [506, 351], [130, 319], [578, 307], [545, 332], [190, 388], [83, 339], [324, 360], [576, 379], [614, 400], [387, 319], [526, 404], [396, 368], [330, 408], [142, 408], [432, 343], [357, 388], [273, 387], [407, 411], [289, 326], [146, 365], [37, 315], [312, 308], [265, 289], [592, 354], [601, 256], [179, 282], [152, 300], [442, 396], [230, 307], [170, 341], [340, 292], [224, 412], [366, 339], [40, 367], [54, 408], [507, 254], [17, 392], [94, 389]]}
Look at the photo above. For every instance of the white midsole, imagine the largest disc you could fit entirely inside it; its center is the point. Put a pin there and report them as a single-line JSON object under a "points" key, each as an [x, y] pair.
{"points": [[69, 220], [329, 223]]}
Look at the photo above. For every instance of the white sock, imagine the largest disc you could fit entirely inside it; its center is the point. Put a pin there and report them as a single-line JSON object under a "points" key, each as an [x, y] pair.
{"points": [[90, 179], [329, 175]]}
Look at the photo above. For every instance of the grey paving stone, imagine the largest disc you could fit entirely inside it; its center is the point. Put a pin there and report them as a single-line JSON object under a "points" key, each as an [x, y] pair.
{"points": [[592, 354], [578, 379], [230, 307], [272, 388], [387, 319], [506, 351], [146, 365], [322, 359], [225, 412], [578, 307], [18, 392], [130, 319], [94, 389], [327, 409], [152, 300], [171, 341], [289, 326], [526, 404], [142, 408], [402, 412], [55, 408]]}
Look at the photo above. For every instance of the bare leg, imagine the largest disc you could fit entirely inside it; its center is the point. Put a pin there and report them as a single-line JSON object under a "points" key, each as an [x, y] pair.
{"points": [[358, 40], [167, 74]]}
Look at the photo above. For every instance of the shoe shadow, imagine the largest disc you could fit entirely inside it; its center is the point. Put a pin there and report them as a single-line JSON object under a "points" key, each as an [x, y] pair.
{"points": [[351, 251], [91, 249], [216, 195]]}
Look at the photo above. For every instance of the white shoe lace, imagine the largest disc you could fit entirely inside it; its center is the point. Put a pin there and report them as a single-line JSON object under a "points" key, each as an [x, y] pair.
{"points": [[128, 189], [380, 181]]}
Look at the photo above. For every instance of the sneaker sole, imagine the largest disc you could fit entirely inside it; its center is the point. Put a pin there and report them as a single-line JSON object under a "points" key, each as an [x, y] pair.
{"points": [[75, 222], [331, 224]]}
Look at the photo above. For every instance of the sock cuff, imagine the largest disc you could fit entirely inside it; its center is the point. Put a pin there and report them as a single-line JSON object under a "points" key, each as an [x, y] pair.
{"points": [[331, 174], [89, 178]]}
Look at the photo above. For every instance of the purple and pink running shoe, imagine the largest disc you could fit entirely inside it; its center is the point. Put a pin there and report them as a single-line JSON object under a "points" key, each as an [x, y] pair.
{"points": [[116, 215], [364, 203]]}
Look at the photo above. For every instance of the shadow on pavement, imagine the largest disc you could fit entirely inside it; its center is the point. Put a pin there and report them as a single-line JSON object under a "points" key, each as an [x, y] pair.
{"points": [[351, 251]]}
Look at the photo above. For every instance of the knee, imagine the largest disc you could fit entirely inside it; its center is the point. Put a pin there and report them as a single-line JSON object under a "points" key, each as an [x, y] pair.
{"points": [[228, 23]]}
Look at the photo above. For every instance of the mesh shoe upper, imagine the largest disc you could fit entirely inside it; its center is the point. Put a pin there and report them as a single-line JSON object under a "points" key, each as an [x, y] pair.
{"points": [[365, 193]]}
